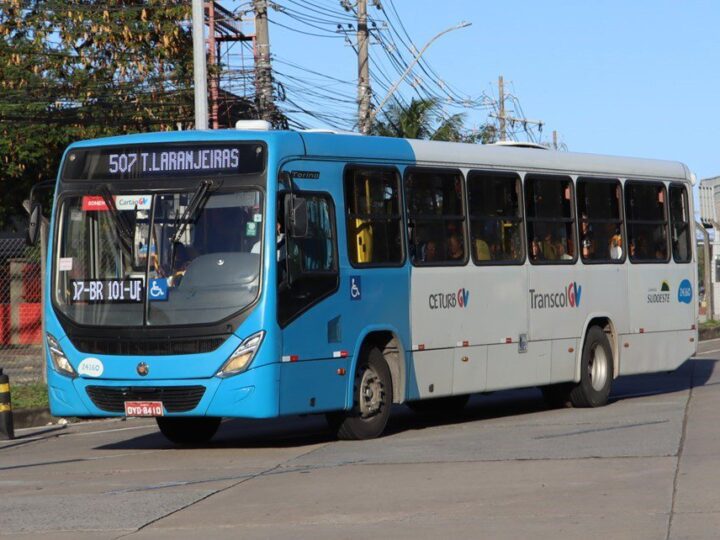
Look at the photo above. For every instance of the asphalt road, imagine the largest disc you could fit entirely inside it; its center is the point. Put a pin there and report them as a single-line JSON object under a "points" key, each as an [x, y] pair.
{"points": [[645, 466]]}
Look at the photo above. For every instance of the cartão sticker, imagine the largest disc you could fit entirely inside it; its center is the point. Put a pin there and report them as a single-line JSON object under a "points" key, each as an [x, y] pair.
{"points": [[257, 218], [251, 228], [92, 367], [133, 202]]}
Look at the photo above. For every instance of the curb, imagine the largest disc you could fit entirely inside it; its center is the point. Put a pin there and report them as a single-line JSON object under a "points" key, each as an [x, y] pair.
{"points": [[25, 418], [708, 333]]}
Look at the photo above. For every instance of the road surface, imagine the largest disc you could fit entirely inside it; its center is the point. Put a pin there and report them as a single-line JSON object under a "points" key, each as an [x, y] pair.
{"points": [[645, 466]]}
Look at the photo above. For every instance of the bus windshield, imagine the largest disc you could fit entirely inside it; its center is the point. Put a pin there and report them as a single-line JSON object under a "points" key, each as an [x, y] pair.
{"points": [[158, 259]]}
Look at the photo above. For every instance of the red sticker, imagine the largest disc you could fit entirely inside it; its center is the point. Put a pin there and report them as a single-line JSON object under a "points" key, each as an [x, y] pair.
{"points": [[92, 203]]}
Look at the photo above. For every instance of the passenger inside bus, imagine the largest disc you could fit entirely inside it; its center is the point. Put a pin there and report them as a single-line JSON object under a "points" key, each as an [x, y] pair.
{"points": [[536, 252], [455, 250], [616, 251], [586, 238]]}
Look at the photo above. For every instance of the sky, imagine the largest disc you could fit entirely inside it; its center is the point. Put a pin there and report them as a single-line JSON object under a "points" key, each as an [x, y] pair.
{"points": [[635, 77]]}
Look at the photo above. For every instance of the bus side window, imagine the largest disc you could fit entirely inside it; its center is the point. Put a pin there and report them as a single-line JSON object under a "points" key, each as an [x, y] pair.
{"points": [[550, 219], [495, 217], [436, 216], [647, 224], [374, 219], [601, 226], [680, 223]]}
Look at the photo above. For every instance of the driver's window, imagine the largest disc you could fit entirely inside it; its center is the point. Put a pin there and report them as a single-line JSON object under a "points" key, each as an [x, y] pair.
{"points": [[311, 260]]}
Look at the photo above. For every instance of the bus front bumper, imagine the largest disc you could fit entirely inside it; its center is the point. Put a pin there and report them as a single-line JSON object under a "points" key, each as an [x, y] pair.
{"points": [[252, 394]]}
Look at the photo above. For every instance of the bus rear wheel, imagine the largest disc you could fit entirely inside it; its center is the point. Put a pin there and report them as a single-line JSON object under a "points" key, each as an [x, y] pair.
{"points": [[373, 397], [188, 430], [596, 371]]}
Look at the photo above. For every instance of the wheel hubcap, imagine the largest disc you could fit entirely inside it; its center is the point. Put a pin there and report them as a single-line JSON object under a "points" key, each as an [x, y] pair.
{"points": [[371, 393], [598, 368]]}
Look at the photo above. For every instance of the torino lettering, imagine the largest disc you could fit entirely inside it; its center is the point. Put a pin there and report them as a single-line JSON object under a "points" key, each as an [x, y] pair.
{"points": [[568, 297]]}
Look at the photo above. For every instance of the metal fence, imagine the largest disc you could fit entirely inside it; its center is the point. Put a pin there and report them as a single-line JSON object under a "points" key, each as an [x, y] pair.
{"points": [[21, 271]]}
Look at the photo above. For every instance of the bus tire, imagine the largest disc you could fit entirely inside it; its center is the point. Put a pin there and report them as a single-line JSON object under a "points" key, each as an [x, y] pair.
{"points": [[188, 429], [596, 371], [443, 406], [373, 397]]}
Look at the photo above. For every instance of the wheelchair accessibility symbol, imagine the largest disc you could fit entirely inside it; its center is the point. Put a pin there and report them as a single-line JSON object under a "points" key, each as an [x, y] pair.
{"points": [[355, 288], [158, 289]]}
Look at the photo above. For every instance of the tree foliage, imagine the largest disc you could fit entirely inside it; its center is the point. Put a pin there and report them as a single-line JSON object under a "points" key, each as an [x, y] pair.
{"points": [[81, 69], [424, 119]]}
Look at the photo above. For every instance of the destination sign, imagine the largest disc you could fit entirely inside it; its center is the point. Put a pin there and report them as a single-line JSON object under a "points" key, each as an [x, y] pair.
{"points": [[106, 291], [161, 160]]}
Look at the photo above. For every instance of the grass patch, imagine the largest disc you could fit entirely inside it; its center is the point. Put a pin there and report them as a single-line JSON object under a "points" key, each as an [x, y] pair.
{"points": [[28, 396]]}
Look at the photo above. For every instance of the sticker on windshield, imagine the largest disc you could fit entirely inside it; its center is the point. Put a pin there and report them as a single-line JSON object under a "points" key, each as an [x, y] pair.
{"points": [[106, 291], [93, 203], [65, 264], [133, 202], [92, 367], [75, 215], [257, 218], [251, 228], [158, 289]]}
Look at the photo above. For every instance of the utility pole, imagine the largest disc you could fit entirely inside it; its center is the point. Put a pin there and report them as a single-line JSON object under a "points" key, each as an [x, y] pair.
{"points": [[363, 99], [263, 71], [501, 108], [503, 118], [555, 139], [200, 69]]}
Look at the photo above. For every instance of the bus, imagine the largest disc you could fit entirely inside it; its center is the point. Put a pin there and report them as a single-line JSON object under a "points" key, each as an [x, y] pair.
{"points": [[251, 273]]}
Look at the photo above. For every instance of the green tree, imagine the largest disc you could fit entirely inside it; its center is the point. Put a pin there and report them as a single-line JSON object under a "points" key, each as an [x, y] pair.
{"points": [[78, 69], [420, 119], [424, 119]]}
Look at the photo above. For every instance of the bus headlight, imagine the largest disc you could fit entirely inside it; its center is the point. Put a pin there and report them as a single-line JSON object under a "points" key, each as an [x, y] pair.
{"points": [[59, 359], [243, 356]]}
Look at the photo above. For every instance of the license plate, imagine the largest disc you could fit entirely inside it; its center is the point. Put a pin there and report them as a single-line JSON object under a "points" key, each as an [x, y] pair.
{"points": [[143, 408]]}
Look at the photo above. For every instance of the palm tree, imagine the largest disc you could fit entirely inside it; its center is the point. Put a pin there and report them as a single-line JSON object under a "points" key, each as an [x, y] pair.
{"points": [[421, 119]]}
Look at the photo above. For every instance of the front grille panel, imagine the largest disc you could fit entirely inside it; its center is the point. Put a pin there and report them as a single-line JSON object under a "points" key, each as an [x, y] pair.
{"points": [[174, 398], [154, 347]]}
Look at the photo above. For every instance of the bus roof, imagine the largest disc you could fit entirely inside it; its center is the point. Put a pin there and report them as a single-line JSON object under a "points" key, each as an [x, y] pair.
{"points": [[409, 151]]}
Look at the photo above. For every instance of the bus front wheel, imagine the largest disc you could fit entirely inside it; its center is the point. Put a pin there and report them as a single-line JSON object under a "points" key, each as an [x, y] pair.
{"points": [[373, 397], [596, 371], [188, 430]]}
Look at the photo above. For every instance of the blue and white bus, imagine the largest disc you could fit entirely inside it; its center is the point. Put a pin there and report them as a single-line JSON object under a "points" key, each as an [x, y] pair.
{"points": [[254, 273]]}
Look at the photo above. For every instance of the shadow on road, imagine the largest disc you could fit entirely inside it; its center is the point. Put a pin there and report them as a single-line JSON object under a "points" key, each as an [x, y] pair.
{"points": [[298, 431]]}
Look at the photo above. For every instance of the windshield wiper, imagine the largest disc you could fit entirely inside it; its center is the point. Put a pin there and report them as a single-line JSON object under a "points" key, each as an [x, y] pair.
{"points": [[121, 224], [195, 204]]}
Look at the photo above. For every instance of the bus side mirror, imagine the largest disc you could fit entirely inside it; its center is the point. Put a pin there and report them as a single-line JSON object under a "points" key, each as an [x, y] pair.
{"points": [[297, 216], [33, 228]]}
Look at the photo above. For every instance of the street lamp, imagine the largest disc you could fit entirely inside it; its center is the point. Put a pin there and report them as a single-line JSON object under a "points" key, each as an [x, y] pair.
{"points": [[373, 113]]}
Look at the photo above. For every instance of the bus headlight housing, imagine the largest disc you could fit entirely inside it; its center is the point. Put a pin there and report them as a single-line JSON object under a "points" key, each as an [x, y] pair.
{"points": [[59, 358], [243, 356]]}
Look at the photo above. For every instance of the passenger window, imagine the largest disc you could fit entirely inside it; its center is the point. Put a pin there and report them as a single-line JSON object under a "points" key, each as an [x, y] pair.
{"points": [[374, 218], [646, 221], [601, 230], [550, 219], [436, 217], [495, 218], [680, 222]]}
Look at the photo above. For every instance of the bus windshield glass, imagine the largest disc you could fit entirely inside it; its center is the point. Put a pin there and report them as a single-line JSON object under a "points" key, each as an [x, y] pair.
{"points": [[157, 259]]}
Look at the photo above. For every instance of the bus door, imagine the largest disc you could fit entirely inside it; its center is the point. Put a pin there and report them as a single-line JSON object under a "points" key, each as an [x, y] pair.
{"points": [[497, 315], [554, 295]]}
